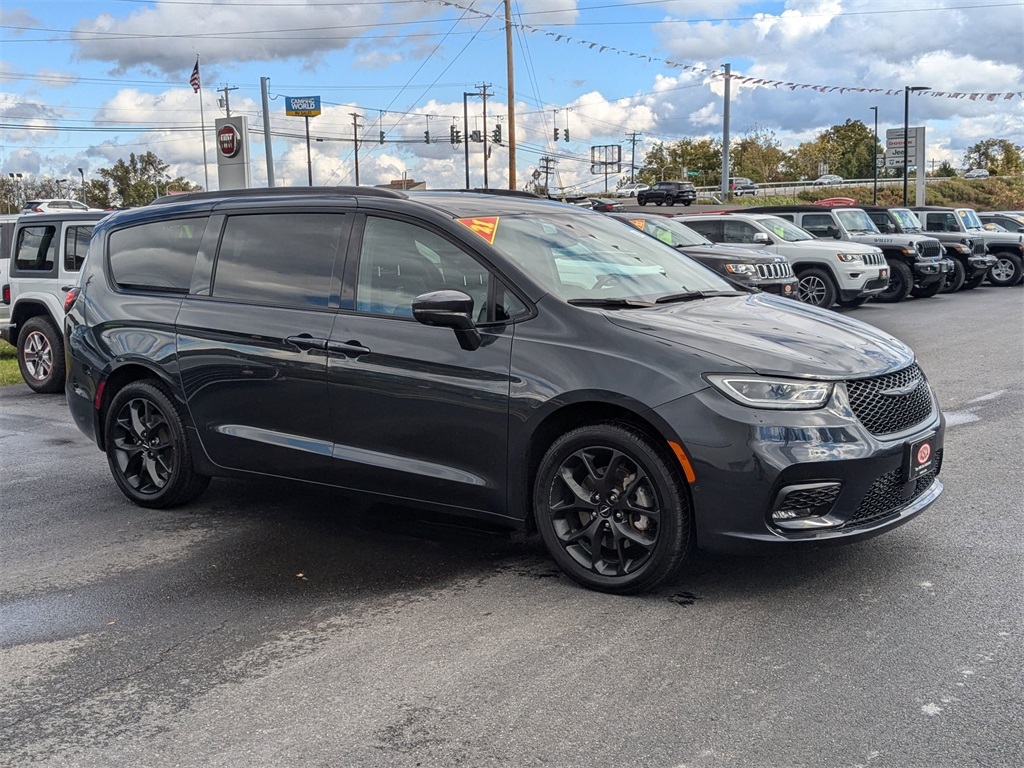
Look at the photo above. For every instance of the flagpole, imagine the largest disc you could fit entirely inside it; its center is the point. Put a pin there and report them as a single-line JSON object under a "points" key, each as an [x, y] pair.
{"points": [[202, 123]]}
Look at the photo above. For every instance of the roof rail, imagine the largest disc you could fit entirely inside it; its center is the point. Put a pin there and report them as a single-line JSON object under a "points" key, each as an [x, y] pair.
{"points": [[282, 192], [481, 191]]}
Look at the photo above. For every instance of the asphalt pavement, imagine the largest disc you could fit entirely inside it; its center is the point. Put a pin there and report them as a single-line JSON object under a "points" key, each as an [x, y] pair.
{"points": [[274, 624]]}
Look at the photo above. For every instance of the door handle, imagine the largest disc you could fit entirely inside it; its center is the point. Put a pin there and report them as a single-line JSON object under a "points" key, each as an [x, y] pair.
{"points": [[305, 341], [348, 348]]}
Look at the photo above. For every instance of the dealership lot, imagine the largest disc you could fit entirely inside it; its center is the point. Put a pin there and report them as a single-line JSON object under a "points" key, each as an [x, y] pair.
{"points": [[287, 625]]}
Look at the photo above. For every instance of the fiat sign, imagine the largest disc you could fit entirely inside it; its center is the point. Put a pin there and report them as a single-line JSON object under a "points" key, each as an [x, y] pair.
{"points": [[228, 141]]}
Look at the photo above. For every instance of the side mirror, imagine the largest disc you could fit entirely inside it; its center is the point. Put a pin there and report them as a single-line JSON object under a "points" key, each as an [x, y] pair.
{"points": [[449, 309], [833, 233], [762, 238]]}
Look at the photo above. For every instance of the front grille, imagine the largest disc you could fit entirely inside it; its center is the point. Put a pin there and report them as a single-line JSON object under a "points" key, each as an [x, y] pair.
{"points": [[778, 269], [932, 250], [979, 247], [819, 498], [885, 496], [874, 259], [883, 411]]}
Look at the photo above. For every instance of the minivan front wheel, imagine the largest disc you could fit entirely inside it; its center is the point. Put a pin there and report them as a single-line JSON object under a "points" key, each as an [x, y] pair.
{"points": [[41, 355], [148, 449], [611, 510]]}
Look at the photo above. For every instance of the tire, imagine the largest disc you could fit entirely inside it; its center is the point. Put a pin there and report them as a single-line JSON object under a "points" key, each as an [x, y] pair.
{"points": [[148, 448], [590, 487], [816, 288], [1006, 271], [670, 200], [927, 292], [41, 355], [974, 282], [641, 199], [901, 281], [955, 280], [860, 301]]}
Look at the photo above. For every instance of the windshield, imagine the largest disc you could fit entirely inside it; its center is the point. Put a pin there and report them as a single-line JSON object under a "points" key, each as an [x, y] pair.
{"points": [[787, 230], [669, 231], [906, 218], [857, 221], [969, 218], [579, 255]]}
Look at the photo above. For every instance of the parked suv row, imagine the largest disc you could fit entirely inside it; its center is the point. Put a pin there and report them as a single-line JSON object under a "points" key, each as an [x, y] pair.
{"points": [[1006, 247], [829, 273], [916, 262], [512, 359], [668, 193]]}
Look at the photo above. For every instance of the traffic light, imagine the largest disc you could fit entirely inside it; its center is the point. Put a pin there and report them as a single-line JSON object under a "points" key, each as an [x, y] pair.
{"points": [[426, 136], [496, 134], [558, 133], [455, 135], [382, 137], [476, 136], [567, 134]]}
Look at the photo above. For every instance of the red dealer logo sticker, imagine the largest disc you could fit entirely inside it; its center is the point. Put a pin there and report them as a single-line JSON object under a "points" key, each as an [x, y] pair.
{"points": [[228, 141], [486, 226], [924, 453]]}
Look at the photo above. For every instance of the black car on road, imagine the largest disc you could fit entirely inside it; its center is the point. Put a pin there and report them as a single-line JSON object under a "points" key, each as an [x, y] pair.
{"points": [[763, 270], [668, 193], [504, 358]]}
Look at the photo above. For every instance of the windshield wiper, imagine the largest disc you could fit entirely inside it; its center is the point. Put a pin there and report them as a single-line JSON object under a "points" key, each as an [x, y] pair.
{"points": [[694, 295], [611, 303]]}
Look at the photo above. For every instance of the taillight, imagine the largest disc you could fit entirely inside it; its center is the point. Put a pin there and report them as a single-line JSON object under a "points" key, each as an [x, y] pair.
{"points": [[6, 294], [69, 300]]}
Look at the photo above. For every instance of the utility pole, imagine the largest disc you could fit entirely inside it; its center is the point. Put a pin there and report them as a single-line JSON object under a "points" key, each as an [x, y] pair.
{"points": [[485, 94], [874, 151], [725, 133], [355, 141], [465, 121], [267, 143], [226, 100], [632, 162], [511, 98], [547, 166]]}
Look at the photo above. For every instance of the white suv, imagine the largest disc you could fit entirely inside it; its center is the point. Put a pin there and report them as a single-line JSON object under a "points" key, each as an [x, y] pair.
{"points": [[55, 205], [46, 258], [844, 273]]}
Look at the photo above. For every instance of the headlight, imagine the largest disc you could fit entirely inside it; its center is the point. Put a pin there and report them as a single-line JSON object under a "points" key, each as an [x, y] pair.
{"points": [[742, 269], [848, 257], [908, 251], [777, 394]]}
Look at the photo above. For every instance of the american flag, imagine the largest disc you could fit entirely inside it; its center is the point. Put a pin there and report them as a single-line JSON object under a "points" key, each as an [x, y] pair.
{"points": [[194, 80]]}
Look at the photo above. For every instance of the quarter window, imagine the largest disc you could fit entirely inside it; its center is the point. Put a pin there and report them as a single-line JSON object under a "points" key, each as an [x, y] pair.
{"points": [[158, 256], [400, 261], [37, 248], [76, 244], [282, 259]]}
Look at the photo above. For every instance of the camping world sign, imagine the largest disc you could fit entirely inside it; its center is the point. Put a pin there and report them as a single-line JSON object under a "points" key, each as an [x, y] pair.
{"points": [[302, 106]]}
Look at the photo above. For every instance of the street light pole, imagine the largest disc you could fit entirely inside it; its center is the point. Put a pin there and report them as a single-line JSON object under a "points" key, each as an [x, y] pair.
{"points": [[84, 195], [906, 131], [874, 195]]}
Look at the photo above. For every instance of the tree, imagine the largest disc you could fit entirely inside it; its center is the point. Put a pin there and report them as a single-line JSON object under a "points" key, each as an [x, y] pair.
{"points": [[998, 156], [669, 162], [945, 169], [758, 156], [848, 150], [140, 180]]}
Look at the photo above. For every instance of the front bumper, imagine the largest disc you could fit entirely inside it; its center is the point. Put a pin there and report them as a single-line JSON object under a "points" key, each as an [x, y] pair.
{"points": [[928, 272], [746, 461]]}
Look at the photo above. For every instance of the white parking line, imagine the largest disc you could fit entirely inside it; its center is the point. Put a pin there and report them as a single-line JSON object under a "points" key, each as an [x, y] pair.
{"points": [[955, 418], [989, 396]]}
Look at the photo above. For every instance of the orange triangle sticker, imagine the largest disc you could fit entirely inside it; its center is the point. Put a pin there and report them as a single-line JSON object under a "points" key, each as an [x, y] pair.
{"points": [[486, 227], [638, 223]]}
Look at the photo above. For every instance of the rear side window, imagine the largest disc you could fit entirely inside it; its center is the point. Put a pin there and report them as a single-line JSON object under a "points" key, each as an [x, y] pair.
{"points": [[36, 249], [819, 225], [279, 259], [76, 244], [712, 230], [158, 256]]}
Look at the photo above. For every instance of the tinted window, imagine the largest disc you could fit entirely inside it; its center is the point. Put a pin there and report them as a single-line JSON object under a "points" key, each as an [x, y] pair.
{"points": [[37, 248], [399, 261], [818, 224], [284, 259], [158, 256], [712, 230], [76, 244]]}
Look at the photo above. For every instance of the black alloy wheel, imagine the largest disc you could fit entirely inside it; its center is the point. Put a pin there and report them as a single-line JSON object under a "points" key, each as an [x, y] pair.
{"points": [[816, 288], [148, 449], [611, 510], [955, 280], [901, 282], [41, 355]]}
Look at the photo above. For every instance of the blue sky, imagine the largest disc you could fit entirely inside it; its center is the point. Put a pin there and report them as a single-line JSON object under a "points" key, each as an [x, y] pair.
{"points": [[85, 83]]}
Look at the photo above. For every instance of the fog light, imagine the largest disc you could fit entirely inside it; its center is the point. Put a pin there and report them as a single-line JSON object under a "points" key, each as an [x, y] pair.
{"points": [[807, 505]]}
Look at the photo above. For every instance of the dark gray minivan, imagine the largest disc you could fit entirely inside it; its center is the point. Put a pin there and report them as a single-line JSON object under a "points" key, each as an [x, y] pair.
{"points": [[495, 356]]}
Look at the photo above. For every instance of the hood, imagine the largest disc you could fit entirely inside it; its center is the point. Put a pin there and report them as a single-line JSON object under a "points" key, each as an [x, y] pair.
{"points": [[830, 244], [726, 253], [773, 335]]}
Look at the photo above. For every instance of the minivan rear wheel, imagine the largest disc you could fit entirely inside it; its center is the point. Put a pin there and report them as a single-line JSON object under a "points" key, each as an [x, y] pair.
{"points": [[148, 448], [611, 510], [41, 355]]}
